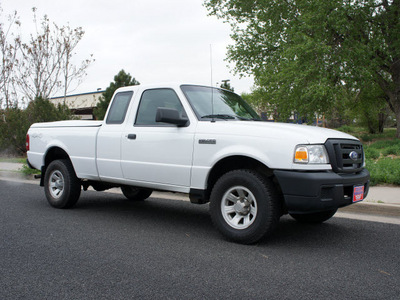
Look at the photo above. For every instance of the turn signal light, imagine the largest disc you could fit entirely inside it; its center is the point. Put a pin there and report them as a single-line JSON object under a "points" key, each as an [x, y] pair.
{"points": [[301, 155]]}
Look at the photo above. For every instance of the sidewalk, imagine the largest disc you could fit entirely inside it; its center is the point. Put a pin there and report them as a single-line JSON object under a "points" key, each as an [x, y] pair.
{"points": [[385, 194], [379, 195], [6, 166]]}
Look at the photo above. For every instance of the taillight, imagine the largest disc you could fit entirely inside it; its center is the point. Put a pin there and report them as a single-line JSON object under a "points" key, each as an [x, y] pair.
{"points": [[27, 142]]}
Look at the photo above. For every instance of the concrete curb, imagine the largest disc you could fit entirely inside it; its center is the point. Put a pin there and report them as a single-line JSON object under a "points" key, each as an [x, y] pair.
{"points": [[381, 209]]}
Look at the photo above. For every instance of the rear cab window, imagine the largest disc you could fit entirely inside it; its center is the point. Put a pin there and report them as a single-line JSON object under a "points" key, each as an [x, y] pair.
{"points": [[119, 107]]}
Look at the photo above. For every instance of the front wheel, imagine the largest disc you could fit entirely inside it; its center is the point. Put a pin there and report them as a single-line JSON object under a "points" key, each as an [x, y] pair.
{"points": [[318, 217], [244, 206], [61, 186]]}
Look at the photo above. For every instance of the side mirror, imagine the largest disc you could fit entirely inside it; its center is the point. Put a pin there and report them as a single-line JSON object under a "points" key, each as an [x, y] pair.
{"points": [[171, 116]]}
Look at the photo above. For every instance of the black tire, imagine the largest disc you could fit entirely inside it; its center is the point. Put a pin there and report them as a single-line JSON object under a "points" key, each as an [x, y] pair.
{"points": [[318, 217], [135, 194], [244, 206], [61, 186]]}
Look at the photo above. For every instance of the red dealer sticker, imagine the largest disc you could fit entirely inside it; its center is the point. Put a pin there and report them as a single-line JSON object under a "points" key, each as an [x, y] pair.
{"points": [[358, 193]]}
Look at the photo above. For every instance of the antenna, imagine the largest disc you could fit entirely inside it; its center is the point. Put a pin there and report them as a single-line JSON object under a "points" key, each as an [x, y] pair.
{"points": [[212, 87]]}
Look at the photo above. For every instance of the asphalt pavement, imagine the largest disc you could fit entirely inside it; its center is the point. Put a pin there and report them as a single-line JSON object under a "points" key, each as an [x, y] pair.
{"points": [[109, 248]]}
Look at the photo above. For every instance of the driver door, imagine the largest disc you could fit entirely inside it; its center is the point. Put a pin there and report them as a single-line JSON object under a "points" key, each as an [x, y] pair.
{"points": [[157, 154]]}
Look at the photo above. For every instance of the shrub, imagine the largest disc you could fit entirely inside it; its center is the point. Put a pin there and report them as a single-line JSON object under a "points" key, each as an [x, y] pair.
{"points": [[13, 127], [367, 137], [386, 170], [371, 153], [392, 150], [385, 144], [347, 129], [15, 122], [28, 171]]}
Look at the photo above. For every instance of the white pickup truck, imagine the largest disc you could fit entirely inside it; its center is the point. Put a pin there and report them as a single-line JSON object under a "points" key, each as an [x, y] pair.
{"points": [[208, 143]]}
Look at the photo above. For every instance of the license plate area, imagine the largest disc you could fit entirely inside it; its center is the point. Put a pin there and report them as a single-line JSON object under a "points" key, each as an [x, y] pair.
{"points": [[358, 193]]}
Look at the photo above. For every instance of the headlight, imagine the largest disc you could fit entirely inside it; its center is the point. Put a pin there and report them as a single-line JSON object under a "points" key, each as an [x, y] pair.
{"points": [[311, 154]]}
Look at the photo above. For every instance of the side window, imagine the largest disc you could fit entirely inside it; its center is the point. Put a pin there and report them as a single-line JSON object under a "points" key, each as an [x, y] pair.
{"points": [[118, 108], [153, 99]]}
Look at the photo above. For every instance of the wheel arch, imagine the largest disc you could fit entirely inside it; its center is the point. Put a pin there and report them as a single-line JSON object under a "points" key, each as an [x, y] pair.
{"points": [[227, 164], [52, 154]]}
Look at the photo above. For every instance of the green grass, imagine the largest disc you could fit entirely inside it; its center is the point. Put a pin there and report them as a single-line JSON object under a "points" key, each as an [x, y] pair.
{"points": [[372, 153], [349, 129], [13, 160], [382, 154], [382, 148], [384, 171], [365, 137], [381, 144], [388, 133], [28, 171]]}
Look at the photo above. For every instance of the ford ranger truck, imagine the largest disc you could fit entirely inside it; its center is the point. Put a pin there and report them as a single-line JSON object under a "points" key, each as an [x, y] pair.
{"points": [[210, 144]]}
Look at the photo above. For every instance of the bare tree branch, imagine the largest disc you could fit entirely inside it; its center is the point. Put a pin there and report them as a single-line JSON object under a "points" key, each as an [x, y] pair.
{"points": [[9, 46], [46, 64]]}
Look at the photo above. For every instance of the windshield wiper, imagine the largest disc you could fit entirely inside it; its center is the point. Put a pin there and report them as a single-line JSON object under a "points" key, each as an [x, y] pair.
{"points": [[229, 117], [219, 116]]}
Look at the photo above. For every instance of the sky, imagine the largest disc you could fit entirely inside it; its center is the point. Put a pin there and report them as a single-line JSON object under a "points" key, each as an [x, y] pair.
{"points": [[153, 40]]}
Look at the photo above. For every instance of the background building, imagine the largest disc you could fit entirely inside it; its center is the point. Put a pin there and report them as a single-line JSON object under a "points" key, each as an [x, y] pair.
{"points": [[81, 105]]}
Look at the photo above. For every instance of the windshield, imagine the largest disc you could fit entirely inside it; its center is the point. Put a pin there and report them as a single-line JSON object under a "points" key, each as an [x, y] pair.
{"points": [[213, 103]]}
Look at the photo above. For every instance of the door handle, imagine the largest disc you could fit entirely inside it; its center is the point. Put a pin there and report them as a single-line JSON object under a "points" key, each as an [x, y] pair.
{"points": [[131, 136]]}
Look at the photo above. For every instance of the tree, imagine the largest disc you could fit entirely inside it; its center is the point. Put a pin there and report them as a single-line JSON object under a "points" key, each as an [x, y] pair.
{"points": [[368, 108], [8, 56], [304, 54], [45, 65], [258, 102], [120, 80], [69, 40]]}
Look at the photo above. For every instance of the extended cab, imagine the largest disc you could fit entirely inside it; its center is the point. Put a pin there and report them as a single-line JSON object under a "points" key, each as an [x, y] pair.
{"points": [[208, 143]]}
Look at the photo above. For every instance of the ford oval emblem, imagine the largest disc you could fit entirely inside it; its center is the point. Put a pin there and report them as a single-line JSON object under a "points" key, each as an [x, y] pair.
{"points": [[353, 155]]}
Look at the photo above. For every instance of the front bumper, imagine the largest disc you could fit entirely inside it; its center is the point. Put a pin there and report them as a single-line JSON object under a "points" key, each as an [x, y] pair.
{"points": [[308, 192]]}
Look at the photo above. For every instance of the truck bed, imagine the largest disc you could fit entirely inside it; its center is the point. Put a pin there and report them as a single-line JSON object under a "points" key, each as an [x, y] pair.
{"points": [[74, 123]]}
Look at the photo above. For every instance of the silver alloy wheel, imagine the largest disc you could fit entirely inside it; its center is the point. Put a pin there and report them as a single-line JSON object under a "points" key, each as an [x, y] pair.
{"points": [[56, 184], [239, 207]]}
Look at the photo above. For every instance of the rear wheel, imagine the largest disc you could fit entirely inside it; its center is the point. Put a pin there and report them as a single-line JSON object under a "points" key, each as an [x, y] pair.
{"points": [[244, 206], [61, 186], [318, 217], [135, 194]]}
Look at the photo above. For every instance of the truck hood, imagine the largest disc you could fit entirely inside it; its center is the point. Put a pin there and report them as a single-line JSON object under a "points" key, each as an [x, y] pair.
{"points": [[273, 130], [73, 123]]}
